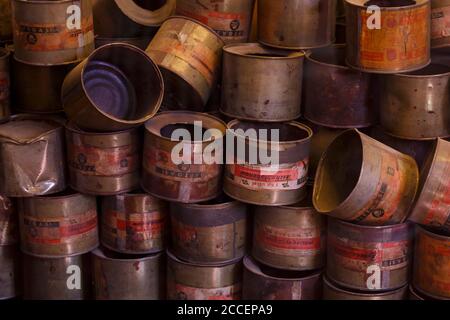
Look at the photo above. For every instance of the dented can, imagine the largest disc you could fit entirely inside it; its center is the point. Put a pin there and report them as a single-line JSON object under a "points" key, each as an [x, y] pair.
{"points": [[440, 23], [8, 222], [6, 33], [9, 271], [5, 109]]}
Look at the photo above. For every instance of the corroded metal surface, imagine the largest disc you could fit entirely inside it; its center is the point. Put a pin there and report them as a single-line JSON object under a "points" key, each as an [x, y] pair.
{"points": [[10, 279], [440, 23]]}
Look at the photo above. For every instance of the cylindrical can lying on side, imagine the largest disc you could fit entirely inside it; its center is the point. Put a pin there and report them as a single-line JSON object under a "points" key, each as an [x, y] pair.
{"points": [[189, 55], [198, 176], [6, 33], [296, 24], [379, 44], [134, 223], [257, 178], [9, 271], [213, 232], [369, 258], [140, 42], [5, 96], [440, 22], [364, 181], [8, 222], [260, 83], [431, 274], [67, 278], [265, 283], [103, 163], [52, 32], [117, 277]]}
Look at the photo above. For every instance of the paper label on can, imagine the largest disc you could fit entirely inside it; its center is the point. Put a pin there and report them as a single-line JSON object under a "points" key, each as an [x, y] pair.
{"points": [[440, 23], [232, 292]]}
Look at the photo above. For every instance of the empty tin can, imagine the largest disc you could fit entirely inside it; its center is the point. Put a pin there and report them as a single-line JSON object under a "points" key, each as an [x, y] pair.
{"points": [[440, 23], [9, 271], [296, 24], [8, 222], [5, 21], [4, 85], [364, 181], [117, 277], [189, 54], [103, 163], [134, 223], [117, 87], [140, 42], [260, 83]]}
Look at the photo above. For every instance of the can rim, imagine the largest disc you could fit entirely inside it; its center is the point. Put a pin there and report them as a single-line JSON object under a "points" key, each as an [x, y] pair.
{"points": [[423, 76], [329, 283], [344, 66], [290, 55], [99, 253], [173, 258], [436, 236], [142, 16], [361, 4], [4, 53], [73, 128], [402, 225]]}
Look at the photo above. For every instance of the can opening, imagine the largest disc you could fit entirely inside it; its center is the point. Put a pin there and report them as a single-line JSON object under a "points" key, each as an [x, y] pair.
{"points": [[430, 70], [287, 132], [151, 5], [169, 129], [390, 3]]}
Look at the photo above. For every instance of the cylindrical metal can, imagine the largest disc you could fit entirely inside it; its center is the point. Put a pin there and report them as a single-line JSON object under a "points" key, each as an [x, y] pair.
{"points": [[6, 33], [377, 41], [364, 181], [103, 163], [5, 110], [440, 23], [260, 83], [296, 24], [230, 19], [117, 277], [189, 55], [9, 271], [8, 222], [369, 258], [198, 176], [186, 281], [264, 283], [431, 274], [134, 223], [140, 42], [249, 180], [67, 278], [335, 95], [214, 232], [52, 32]]}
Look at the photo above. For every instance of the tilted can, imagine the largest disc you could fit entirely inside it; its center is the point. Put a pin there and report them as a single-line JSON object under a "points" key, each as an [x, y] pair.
{"points": [[296, 24], [368, 258], [250, 179], [265, 283], [364, 181], [440, 22], [197, 179], [189, 55], [117, 87], [103, 163], [380, 44], [9, 271], [8, 222], [134, 223], [5, 21], [260, 83], [214, 232], [117, 277], [52, 32], [5, 84], [186, 281], [335, 95]]}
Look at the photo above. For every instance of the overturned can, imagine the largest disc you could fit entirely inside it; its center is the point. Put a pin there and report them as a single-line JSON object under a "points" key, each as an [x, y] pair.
{"points": [[9, 271], [440, 23], [134, 223], [5, 82], [5, 21], [8, 222], [117, 277], [260, 83]]}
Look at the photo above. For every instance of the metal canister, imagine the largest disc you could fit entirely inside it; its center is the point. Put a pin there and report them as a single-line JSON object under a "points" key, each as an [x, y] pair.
{"points": [[31, 157], [249, 179], [52, 32], [117, 277], [214, 232], [377, 41], [260, 83], [431, 274], [364, 181], [5, 21], [264, 283], [134, 223], [117, 87], [189, 54], [416, 105], [335, 95], [4, 85], [67, 278], [103, 163], [440, 23], [186, 281], [140, 42], [8, 222], [197, 179], [9, 271], [296, 24], [230, 19]]}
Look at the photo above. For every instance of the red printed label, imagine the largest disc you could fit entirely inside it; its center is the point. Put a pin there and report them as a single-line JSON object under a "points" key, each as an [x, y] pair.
{"points": [[225, 293], [148, 225]]}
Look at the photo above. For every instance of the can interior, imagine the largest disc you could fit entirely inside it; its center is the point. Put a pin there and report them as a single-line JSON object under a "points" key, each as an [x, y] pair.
{"points": [[150, 5], [390, 3], [287, 132]]}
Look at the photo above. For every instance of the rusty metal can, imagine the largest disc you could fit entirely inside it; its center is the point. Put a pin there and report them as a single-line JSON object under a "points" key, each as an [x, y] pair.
{"points": [[117, 87], [103, 163], [186, 281], [189, 55], [140, 42], [296, 24], [134, 223], [213, 232], [440, 22], [254, 182], [122, 277], [4, 85], [190, 181], [52, 32], [377, 41], [8, 222], [66, 278], [9, 271], [364, 181], [6, 33], [260, 83], [335, 95]]}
